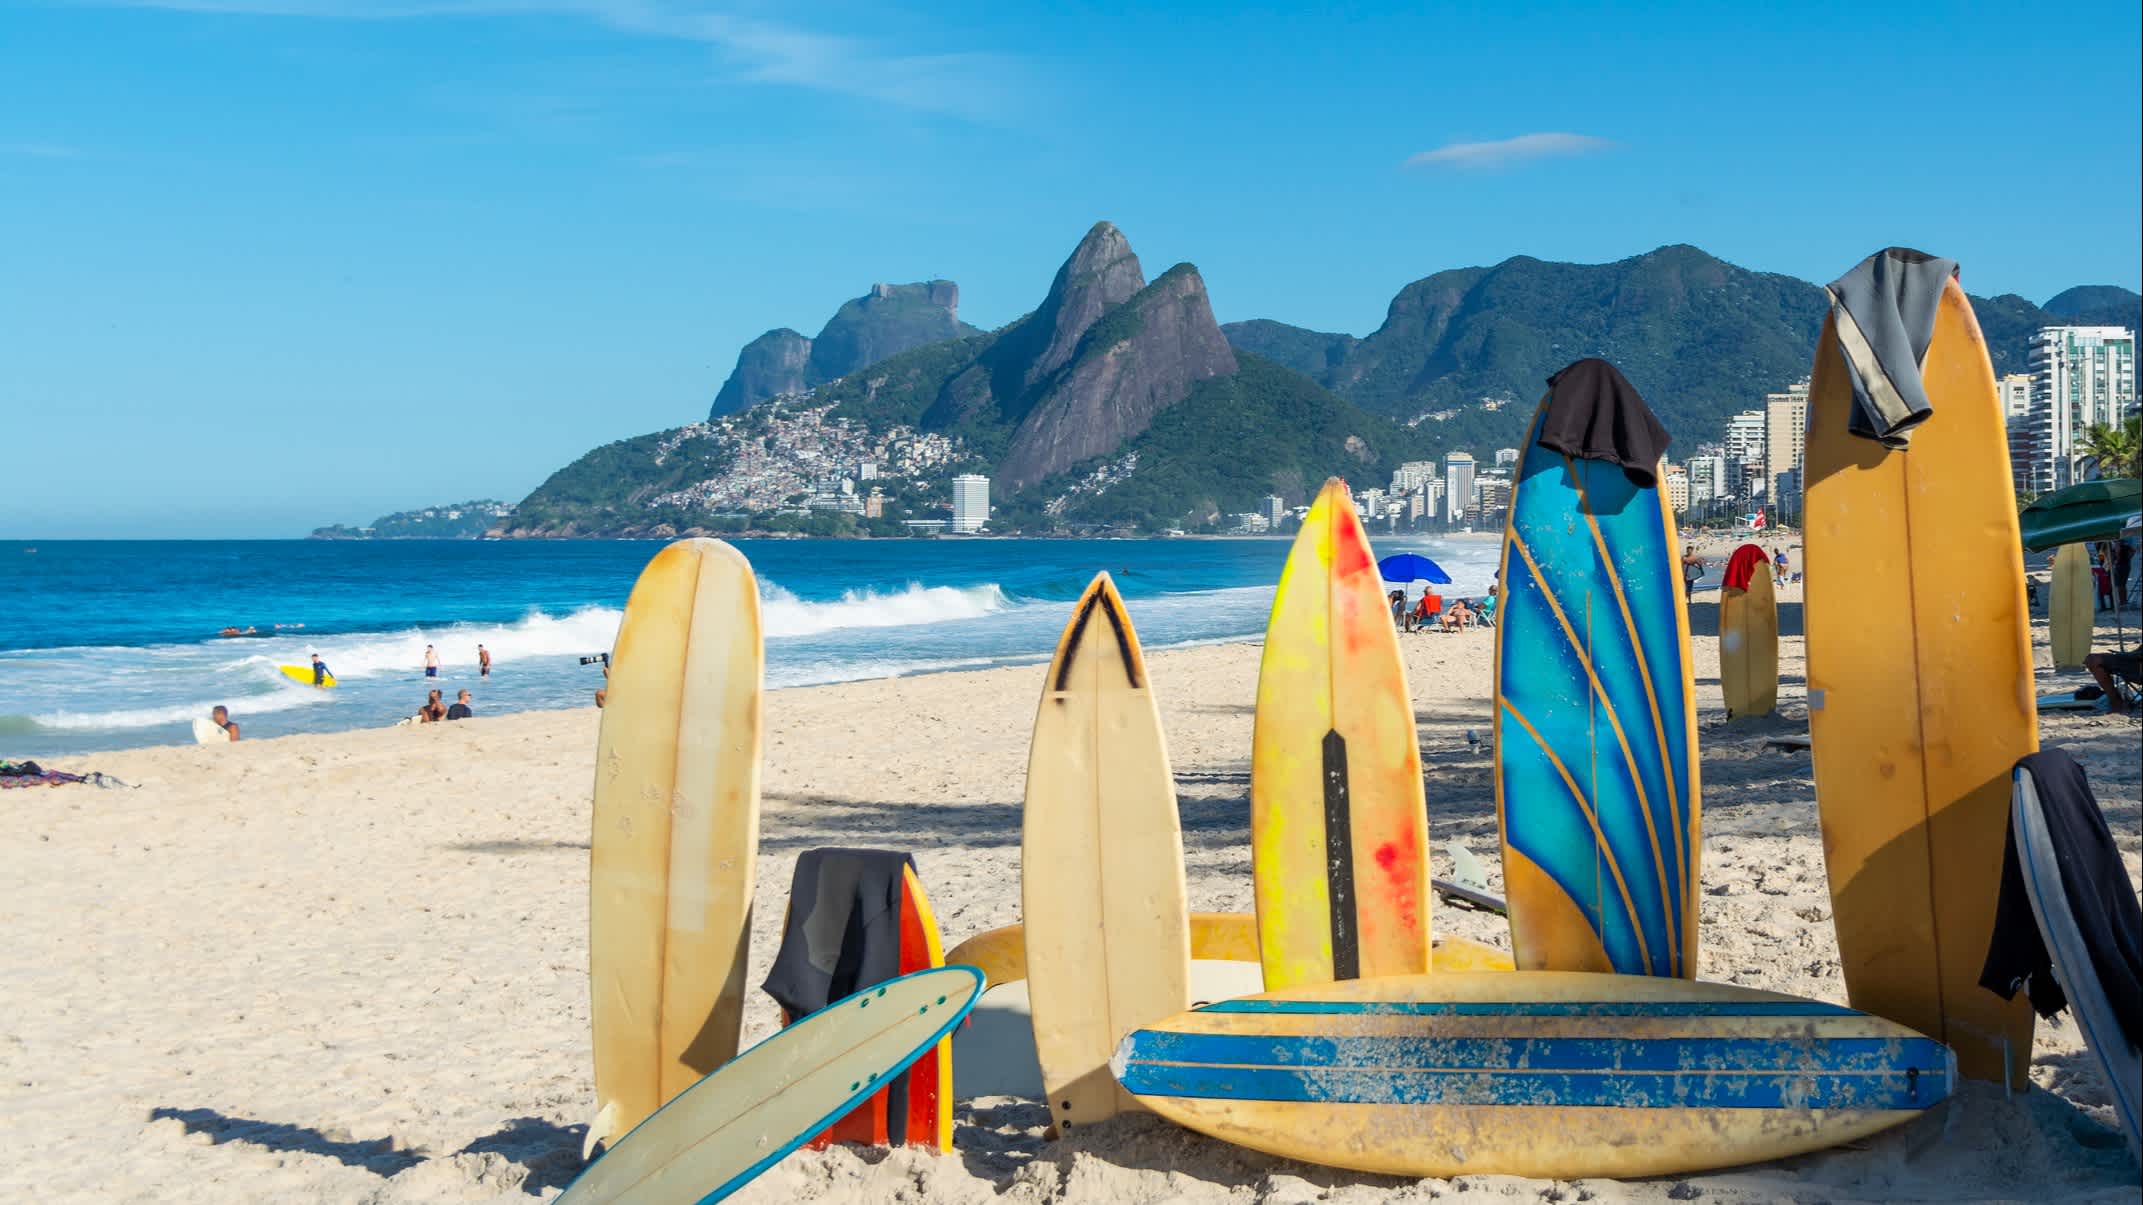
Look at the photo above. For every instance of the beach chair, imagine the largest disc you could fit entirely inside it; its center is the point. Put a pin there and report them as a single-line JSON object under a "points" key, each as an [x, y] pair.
{"points": [[1485, 612]]}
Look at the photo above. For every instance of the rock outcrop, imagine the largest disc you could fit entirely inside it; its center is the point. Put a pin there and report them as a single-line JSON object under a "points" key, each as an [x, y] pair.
{"points": [[884, 322], [1137, 359]]}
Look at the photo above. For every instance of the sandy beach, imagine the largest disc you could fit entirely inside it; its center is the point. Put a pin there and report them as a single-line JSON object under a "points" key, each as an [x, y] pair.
{"points": [[352, 967]]}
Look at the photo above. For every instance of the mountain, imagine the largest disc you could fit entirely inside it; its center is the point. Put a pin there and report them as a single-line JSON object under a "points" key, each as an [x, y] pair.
{"points": [[1090, 368], [886, 321], [2090, 303], [1469, 349], [457, 521]]}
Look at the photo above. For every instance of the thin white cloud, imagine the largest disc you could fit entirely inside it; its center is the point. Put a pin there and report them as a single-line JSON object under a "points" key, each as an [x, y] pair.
{"points": [[39, 150], [1505, 151], [756, 51]]}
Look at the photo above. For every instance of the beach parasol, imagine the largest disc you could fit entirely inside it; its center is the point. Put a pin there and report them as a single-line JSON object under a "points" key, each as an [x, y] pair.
{"points": [[2095, 510], [1412, 567]]}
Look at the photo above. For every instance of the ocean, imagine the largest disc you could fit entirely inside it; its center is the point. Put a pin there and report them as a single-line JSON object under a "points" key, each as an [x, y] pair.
{"points": [[113, 644]]}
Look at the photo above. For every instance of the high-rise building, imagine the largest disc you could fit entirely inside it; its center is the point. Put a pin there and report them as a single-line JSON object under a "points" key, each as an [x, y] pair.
{"points": [[1506, 457], [2080, 376], [1458, 484], [1745, 445], [1785, 447], [970, 502], [1493, 494], [1677, 485], [1274, 508], [2015, 392]]}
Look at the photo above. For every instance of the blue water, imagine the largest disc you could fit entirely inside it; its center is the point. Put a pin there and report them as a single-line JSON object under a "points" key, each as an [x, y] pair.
{"points": [[112, 644]]}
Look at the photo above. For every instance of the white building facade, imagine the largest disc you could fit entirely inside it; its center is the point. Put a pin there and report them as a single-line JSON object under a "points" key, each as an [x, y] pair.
{"points": [[970, 502], [2080, 376]]}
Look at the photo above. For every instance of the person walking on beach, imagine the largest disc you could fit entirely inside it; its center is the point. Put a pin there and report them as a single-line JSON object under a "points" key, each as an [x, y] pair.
{"points": [[1692, 569], [431, 662], [460, 710], [483, 662], [222, 717]]}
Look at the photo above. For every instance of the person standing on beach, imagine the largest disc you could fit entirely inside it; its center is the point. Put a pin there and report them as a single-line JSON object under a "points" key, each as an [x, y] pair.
{"points": [[431, 662], [483, 662], [1778, 562], [1692, 569], [222, 717], [460, 710]]}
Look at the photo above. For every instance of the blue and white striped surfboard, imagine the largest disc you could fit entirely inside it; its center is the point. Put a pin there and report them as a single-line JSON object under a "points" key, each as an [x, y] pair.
{"points": [[1543, 1074]]}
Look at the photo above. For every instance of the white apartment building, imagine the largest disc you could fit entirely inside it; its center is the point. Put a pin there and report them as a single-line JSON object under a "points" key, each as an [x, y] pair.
{"points": [[1458, 483], [1411, 474], [1745, 434], [970, 502], [1274, 508], [2080, 376], [1506, 457], [1707, 479], [1677, 484], [2015, 392]]}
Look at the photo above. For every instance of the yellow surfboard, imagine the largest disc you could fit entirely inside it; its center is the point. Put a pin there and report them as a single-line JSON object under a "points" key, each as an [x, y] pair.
{"points": [[2072, 610], [1001, 954], [1919, 693], [1547, 1074], [1338, 824], [1101, 862], [304, 673], [1748, 647], [676, 832]]}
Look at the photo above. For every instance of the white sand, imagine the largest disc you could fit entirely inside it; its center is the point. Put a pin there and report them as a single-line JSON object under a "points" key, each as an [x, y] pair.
{"points": [[351, 967]]}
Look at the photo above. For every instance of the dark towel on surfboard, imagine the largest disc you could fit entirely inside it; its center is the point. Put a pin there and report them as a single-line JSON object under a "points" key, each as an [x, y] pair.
{"points": [[1594, 413], [1884, 313], [2099, 895], [1741, 566], [843, 930]]}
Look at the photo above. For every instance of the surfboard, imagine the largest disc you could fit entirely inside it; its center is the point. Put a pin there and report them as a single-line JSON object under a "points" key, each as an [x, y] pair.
{"points": [[2093, 1009], [1919, 693], [1552, 1075], [304, 674], [2072, 610], [1595, 738], [1001, 953], [676, 831], [1101, 861], [1748, 647], [206, 732], [742, 1118], [914, 1108], [1338, 823]]}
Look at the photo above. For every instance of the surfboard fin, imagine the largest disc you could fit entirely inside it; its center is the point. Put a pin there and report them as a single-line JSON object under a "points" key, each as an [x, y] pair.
{"points": [[599, 1129], [1465, 868]]}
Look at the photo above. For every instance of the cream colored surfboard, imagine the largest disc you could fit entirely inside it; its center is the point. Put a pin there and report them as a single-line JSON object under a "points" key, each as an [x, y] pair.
{"points": [[1338, 824], [1919, 693], [1001, 954], [1107, 938], [676, 832], [740, 1120], [1748, 647], [2072, 611]]}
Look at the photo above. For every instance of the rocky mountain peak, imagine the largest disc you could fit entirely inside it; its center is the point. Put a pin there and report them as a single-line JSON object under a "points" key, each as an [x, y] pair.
{"points": [[888, 320], [1102, 273]]}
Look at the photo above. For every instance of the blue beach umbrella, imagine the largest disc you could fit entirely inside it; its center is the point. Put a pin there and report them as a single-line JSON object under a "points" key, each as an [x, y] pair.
{"points": [[1412, 567]]}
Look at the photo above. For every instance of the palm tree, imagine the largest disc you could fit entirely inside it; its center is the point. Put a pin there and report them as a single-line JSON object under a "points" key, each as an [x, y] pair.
{"points": [[2115, 448]]}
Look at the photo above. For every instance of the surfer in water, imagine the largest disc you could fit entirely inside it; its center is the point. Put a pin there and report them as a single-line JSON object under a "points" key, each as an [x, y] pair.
{"points": [[222, 717], [431, 662], [320, 674], [483, 662]]}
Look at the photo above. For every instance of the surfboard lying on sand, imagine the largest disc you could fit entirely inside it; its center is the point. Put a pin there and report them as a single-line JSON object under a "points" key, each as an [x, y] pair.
{"points": [[304, 673], [676, 831], [1554, 1075], [1919, 693], [1338, 823], [1107, 936], [1596, 751], [742, 1118]]}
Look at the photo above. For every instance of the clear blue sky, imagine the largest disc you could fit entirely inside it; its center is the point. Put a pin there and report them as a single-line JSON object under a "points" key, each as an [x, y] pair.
{"points": [[266, 264]]}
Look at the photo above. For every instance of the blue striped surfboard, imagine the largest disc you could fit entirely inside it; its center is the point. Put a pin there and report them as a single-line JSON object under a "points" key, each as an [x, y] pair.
{"points": [[1532, 1073], [1596, 763]]}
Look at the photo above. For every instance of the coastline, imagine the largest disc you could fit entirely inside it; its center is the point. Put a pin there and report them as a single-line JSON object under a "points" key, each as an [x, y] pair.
{"points": [[352, 966]]}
